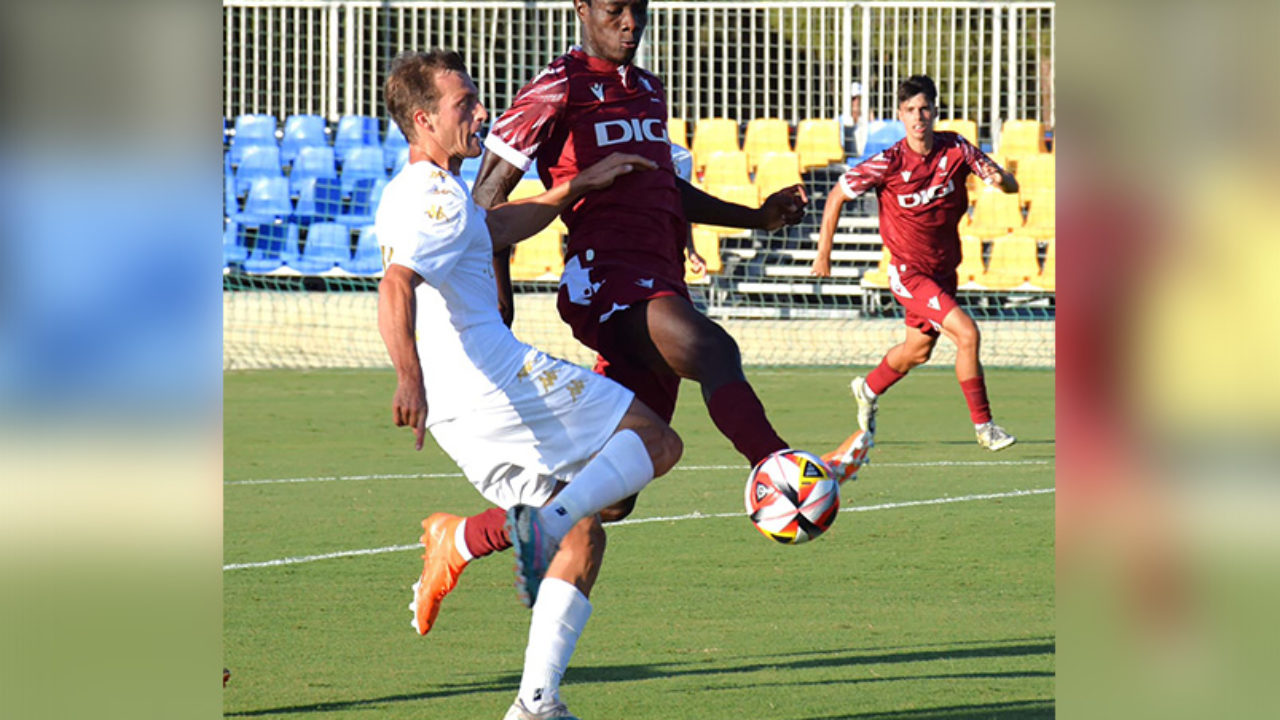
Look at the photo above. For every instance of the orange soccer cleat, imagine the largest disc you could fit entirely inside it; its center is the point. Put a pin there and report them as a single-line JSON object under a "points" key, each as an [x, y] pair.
{"points": [[845, 461], [441, 566]]}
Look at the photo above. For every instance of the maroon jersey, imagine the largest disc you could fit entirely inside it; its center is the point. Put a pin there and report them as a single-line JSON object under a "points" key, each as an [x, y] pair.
{"points": [[922, 198], [576, 112]]}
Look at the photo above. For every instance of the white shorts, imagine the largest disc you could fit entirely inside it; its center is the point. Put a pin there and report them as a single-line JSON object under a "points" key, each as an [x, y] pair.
{"points": [[541, 428]]}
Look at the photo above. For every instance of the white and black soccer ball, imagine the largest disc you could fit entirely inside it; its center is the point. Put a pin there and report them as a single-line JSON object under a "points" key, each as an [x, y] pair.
{"points": [[791, 497]]}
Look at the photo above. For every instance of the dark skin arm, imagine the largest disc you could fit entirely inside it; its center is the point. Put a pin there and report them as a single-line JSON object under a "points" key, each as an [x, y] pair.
{"points": [[495, 181], [784, 207]]}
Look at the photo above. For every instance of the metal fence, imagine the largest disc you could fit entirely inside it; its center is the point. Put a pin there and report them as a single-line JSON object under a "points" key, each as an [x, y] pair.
{"points": [[793, 60]]}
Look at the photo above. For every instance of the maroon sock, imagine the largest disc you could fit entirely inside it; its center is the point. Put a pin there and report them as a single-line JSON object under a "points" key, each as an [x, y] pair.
{"points": [[975, 393], [738, 414], [883, 377], [487, 532]]}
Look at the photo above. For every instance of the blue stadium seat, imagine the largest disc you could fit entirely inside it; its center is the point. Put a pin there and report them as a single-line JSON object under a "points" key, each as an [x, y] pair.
{"points": [[882, 134], [402, 159], [234, 251], [470, 168], [362, 163], [259, 161], [312, 162], [275, 245], [252, 131], [393, 144], [368, 256], [319, 200], [301, 131], [267, 202], [355, 131], [328, 244], [360, 206]]}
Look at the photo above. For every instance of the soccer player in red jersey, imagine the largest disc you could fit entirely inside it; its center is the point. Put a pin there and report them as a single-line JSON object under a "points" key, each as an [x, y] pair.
{"points": [[920, 185], [623, 290]]}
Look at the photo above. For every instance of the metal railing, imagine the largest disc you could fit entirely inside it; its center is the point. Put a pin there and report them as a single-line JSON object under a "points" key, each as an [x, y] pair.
{"points": [[794, 60]]}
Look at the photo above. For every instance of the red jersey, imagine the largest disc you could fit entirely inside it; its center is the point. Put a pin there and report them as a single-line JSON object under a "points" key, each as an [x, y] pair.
{"points": [[922, 198], [576, 112]]}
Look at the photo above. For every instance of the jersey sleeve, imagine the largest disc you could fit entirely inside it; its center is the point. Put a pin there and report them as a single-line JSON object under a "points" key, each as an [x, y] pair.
{"points": [[517, 135], [866, 175], [987, 170], [424, 236]]}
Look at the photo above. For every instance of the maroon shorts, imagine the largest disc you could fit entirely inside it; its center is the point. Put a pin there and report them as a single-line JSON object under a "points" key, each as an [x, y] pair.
{"points": [[590, 296], [926, 298]]}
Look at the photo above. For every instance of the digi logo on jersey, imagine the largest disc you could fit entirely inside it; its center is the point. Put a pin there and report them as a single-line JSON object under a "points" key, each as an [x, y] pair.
{"points": [[928, 195], [613, 132]]}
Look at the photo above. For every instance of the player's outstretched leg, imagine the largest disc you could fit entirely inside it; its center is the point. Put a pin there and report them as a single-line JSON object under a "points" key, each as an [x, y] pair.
{"points": [[849, 457], [445, 558], [644, 447]]}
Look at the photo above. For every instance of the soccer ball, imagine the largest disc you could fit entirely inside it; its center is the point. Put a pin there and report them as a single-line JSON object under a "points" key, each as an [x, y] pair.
{"points": [[791, 497]]}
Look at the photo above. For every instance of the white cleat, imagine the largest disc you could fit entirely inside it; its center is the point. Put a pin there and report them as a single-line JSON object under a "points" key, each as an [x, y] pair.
{"points": [[993, 437], [518, 711], [866, 404]]}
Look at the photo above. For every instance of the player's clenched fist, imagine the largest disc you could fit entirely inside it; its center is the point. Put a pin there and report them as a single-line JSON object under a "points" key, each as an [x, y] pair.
{"points": [[785, 207]]}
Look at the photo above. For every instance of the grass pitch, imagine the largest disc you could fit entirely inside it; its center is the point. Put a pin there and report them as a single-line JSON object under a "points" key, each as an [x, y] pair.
{"points": [[932, 598]]}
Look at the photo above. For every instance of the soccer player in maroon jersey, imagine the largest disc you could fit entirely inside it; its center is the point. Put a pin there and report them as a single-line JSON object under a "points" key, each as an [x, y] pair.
{"points": [[623, 290], [920, 184]]}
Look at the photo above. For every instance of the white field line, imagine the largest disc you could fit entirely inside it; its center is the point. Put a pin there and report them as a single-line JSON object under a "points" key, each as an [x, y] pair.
{"points": [[641, 521], [678, 468]]}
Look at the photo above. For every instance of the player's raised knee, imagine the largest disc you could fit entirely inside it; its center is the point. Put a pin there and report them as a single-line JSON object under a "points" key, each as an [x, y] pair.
{"points": [[665, 449]]}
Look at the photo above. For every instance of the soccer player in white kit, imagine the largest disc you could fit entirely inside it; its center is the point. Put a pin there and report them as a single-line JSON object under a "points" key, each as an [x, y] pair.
{"points": [[513, 418]]}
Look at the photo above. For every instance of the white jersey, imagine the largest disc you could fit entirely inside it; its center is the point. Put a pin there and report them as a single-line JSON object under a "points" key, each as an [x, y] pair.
{"points": [[514, 419], [428, 222]]}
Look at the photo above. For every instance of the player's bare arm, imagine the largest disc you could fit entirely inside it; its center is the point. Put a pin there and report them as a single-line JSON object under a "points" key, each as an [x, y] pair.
{"points": [[396, 317], [784, 207], [1007, 182], [826, 234], [512, 222], [495, 181]]}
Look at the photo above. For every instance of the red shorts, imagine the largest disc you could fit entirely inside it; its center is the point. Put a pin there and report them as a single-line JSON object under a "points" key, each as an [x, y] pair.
{"points": [[590, 295], [927, 299]]}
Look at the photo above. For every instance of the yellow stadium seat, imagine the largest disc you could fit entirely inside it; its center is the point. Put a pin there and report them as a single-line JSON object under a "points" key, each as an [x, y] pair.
{"points": [[1041, 214], [1022, 137], [818, 143], [726, 167], [712, 135], [879, 276], [1037, 172], [777, 170], [994, 213], [539, 257], [1046, 280], [1013, 263], [706, 241], [765, 135], [743, 194], [678, 132], [966, 128], [970, 271]]}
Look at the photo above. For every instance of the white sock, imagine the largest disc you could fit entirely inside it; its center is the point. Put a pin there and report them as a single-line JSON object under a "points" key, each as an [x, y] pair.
{"points": [[460, 541], [559, 615], [621, 469], [979, 426], [871, 394]]}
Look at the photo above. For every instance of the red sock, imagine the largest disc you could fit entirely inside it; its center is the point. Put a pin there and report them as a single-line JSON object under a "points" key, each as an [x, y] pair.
{"points": [[738, 414], [487, 532], [975, 393], [883, 377]]}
